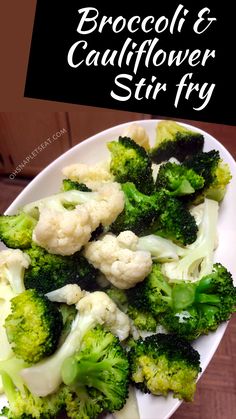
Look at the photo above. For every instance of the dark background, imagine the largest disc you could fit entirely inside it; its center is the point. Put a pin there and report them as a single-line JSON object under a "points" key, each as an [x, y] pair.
{"points": [[50, 77]]}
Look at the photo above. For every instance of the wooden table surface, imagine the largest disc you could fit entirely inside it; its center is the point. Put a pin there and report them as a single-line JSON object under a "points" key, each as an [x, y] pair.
{"points": [[216, 391]]}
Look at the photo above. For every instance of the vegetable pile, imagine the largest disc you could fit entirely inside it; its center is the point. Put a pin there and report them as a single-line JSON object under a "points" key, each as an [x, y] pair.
{"points": [[106, 283]]}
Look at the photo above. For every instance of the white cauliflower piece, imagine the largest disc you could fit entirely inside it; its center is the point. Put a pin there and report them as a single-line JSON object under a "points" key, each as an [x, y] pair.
{"points": [[119, 260], [64, 232], [92, 175], [69, 294], [101, 307], [13, 263], [110, 204], [138, 134]]}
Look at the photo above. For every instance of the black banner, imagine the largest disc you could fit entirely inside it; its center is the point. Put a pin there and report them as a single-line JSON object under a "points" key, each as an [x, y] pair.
{"points": [[165, 58]]}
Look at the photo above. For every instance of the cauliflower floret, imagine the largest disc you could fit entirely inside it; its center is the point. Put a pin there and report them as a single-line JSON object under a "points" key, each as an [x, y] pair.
{"points": [[128, 239], [13, 263], [101, 307], [64, 232], [119, 260], [69, 294], [110, 205], [93, 176], [138, 134]]}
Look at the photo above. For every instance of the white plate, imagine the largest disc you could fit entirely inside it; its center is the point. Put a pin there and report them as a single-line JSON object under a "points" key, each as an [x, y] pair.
{"points": [[93, 150]]}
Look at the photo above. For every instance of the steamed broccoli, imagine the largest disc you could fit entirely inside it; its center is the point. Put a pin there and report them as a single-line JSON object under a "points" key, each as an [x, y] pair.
{"points": [[34, 326], [68, 185], [22, 403], [173, 220], [16, 230], [131, 163], [84, 404], [48, 272], [139, 212], [174, 140], [178, 180], [142, 319], [200, 307], [154, 294], [165, 363], [158, 213], [215, 172], [198, 258], [101, 365], [94, 309], [188, 309]]}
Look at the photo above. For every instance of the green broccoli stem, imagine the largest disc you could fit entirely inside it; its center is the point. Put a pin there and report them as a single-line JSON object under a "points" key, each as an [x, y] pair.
{"points": [[164, 287], [185, 188], [207, 298], [208, 309], [183, 295], [74, 373], [206, 284], [9, 387], [132, 194]]}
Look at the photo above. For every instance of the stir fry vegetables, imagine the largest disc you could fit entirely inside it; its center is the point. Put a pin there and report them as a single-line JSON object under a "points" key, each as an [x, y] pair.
{"points": [[125, 247]]}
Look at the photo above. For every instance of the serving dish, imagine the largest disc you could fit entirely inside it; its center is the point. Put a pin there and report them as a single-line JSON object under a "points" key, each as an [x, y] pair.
{"points": [[91, 151]]}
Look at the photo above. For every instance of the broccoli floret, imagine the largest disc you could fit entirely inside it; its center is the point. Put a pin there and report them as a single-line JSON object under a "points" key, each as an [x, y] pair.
{"points": [[158, 213], [22, 403], [174, 220], [153, 294], [199, 307], [68, 185], [215, 172], [178, 180], [131, 163], [16, 230], [139, 212], [165, 363], [101, 364], [84, 404], [142, 318], [174, 140], [119, 296], [48, 272], [34, 326], [94, 309], [198, 259]]}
